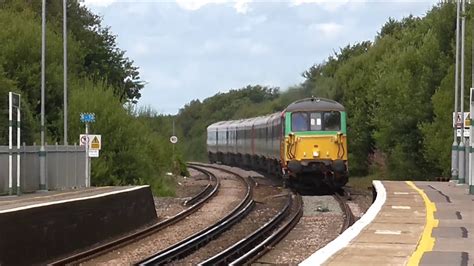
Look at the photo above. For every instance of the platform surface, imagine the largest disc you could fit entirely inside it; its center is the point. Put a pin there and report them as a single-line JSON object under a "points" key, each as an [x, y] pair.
{"points": [[417, 223], [454, 235], [12, 203]]}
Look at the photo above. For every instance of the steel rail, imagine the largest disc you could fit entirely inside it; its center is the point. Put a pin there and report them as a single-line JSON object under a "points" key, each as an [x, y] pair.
{"points": [[193, 242], [203, 192], [199, 200], [251, 240], [349, 218], [264, 246]]}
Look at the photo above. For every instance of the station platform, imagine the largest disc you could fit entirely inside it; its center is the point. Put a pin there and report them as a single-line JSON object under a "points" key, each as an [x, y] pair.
{"points": [[13, 203], [410, 223], [51, 225]]}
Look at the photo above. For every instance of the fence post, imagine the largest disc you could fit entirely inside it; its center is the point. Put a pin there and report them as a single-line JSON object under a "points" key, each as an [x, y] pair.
{"points": [[67, 165], [75, 165], [23, 171], [57, 166]]}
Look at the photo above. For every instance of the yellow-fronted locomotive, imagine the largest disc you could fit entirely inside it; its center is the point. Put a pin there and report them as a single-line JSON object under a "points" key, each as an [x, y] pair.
{"points": [[306, 142]]}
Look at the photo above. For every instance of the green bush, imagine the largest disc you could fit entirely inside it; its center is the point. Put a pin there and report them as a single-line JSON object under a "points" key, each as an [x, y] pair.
{"points": [[131, 154]]}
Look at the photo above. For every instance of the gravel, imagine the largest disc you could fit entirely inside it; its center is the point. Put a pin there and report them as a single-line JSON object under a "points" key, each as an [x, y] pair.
{"points": [[186, 188], [268, 204], [317, 205], [320, 224], [229, 195]]}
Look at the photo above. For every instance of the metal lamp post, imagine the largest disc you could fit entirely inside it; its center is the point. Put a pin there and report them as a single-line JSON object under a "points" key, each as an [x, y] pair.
{"points": [[65, 68], [454, 150], [42, 153]]}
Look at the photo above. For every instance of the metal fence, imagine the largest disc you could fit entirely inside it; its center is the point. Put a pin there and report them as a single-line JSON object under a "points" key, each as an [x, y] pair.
{"points": [[65, 167]]}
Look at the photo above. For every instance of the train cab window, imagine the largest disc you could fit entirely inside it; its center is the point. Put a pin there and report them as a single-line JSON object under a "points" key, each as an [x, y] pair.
{"points": [[332, 121], [299, 121], [315, 121]]}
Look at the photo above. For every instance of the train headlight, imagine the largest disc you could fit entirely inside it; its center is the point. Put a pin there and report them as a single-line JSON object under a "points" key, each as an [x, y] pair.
{"points": [[315, 153]]}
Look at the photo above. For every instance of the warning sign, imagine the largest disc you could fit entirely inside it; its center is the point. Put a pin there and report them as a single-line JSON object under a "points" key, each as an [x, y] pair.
{"points": [[95, 144], [95, 141], [458, 120], [467, 120]]}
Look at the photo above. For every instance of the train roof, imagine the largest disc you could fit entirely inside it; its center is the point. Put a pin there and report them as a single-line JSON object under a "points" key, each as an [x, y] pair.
{"points": [[246, 122], [312, 104]]}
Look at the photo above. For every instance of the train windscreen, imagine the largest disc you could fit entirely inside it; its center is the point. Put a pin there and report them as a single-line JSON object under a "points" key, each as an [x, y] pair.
{"points": [[316, 121]]}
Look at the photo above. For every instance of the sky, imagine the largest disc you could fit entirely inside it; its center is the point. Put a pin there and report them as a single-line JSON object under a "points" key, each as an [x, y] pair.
{"points": [[193, 49]]}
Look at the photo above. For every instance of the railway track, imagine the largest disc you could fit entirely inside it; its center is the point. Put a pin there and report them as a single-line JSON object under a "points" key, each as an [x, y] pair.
{"points": [[194, 204], [349, 218], [256, 244], [193, 242]]}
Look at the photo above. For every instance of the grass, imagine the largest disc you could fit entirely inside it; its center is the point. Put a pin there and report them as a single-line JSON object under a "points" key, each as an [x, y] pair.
{"points": [[363, 182]]}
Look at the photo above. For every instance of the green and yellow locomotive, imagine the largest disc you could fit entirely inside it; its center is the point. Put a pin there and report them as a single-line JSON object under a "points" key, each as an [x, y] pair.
{"points": [[307, 142]]}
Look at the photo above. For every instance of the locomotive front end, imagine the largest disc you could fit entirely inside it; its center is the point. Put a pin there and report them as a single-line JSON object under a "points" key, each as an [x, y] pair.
{"points": [[315, 146]]}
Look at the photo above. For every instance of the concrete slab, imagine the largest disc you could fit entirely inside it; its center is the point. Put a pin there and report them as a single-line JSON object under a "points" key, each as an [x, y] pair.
{"points": [[415, 227], [444, 258], [448, 214], [395, 219], [358, 260], [459, 244], [457, 223], [369, 249], [389, 236], [449, 232]]}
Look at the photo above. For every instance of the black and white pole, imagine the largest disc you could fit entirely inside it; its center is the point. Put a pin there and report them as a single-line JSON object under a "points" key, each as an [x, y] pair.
{"points": [[10, 142], [172, 142], [42, 153], [455, 147], [18, 141], [13, 103]]}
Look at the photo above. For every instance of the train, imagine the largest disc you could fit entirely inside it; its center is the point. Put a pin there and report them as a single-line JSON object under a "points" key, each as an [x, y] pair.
{"points": [[306, 143]]}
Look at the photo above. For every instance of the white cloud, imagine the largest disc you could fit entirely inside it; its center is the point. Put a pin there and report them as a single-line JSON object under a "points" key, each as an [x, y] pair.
{"points": [[196, 4], [328, 5], [329, 30], [250, 23], [240, 6], [141, 49], [98, 3]]}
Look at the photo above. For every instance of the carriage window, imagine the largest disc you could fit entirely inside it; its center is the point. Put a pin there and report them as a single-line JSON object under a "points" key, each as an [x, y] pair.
{"points": [[332, 121], [299, 121], [315, 121]]}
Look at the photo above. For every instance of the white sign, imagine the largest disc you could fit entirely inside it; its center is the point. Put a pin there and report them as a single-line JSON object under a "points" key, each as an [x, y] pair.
{"points": [[174, 139], [466, 133], [95, 141], [457, 120], [93, 153], [82, 140]]}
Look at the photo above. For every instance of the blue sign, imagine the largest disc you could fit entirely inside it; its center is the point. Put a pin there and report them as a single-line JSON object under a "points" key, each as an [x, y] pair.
{"points": [[87, 117]]}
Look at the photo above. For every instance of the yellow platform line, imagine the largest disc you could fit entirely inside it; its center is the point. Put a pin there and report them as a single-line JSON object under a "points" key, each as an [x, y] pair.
{"points": [[426, 242]]}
